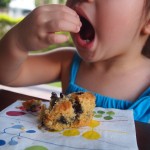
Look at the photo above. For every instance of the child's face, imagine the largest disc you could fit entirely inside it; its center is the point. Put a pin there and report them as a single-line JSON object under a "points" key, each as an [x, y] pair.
{"points": [[113, 30]]}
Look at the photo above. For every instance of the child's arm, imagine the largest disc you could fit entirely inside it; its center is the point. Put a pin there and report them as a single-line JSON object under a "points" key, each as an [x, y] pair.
{"points": [[35, 32]]}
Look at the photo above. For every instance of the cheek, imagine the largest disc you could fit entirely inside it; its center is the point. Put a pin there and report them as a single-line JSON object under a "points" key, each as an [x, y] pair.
{"points": [[118, 21]]}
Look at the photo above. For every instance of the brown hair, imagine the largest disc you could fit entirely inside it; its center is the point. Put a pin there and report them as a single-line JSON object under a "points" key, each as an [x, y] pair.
{"points": [[146, 49]]}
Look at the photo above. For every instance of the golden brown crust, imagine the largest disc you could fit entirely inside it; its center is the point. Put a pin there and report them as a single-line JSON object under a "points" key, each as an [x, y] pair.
{"points": [[74, 110]]}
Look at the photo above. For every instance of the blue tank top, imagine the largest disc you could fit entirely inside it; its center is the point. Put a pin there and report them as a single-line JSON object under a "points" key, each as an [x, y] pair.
{"points": [[141, 107]]}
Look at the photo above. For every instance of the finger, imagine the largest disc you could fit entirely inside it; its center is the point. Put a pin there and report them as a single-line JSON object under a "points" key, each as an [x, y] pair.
{"points": [[54, 38], [57, 7], [63, 25], [66, 9], [67, 17]]}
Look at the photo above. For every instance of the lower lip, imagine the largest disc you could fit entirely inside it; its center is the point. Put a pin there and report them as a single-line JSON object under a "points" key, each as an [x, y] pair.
{"points": [[82, 43]]}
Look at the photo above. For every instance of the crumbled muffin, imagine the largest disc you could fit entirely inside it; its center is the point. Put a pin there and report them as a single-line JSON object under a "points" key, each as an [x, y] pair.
{"points": [[68, 111], [32, 105]]}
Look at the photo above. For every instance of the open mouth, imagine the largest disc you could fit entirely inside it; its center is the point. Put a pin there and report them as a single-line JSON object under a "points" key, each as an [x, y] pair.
{"points": [[87, 32]]}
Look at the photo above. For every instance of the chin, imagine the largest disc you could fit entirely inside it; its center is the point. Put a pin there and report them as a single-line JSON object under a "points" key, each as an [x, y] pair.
{"points": [[89, 57]]}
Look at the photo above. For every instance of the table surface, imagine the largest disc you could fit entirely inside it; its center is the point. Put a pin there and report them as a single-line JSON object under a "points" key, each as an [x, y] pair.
{"points": [[142, 129]]}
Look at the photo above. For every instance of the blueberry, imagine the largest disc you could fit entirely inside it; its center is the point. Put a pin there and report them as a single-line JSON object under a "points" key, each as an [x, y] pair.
{"points": [[77, 107], [62, 120]]}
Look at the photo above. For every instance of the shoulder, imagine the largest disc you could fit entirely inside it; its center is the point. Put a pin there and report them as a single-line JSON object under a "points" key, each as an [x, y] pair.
{"points": [[56, 57], [63, 54]]}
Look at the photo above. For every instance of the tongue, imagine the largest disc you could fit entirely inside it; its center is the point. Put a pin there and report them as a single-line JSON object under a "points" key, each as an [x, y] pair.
{"points": [[86, 31]]}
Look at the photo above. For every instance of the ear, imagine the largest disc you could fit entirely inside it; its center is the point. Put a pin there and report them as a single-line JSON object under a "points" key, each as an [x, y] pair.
{"points": [[146, 28]]}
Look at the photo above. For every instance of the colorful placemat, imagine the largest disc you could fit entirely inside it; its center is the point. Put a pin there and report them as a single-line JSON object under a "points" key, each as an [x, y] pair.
{"points": [[110, 129]]}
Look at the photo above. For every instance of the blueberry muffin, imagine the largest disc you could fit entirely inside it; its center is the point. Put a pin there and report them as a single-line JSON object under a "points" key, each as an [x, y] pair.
{"points": [[68, 111]]}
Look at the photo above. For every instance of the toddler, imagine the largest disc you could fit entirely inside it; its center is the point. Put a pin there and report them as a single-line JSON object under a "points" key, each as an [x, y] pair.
{"points": [[110, 58]]}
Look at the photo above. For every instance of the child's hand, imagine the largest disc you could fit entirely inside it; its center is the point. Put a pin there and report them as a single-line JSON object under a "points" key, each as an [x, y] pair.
{"points": [[38, 29]]}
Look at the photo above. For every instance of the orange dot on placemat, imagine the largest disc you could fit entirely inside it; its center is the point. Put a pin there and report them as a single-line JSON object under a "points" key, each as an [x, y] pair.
{"points": [[91, 135], [94, 123], [71, 132]]}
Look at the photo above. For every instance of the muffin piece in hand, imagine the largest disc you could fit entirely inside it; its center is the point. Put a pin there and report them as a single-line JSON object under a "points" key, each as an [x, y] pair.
{"points": [[68, 111]]}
